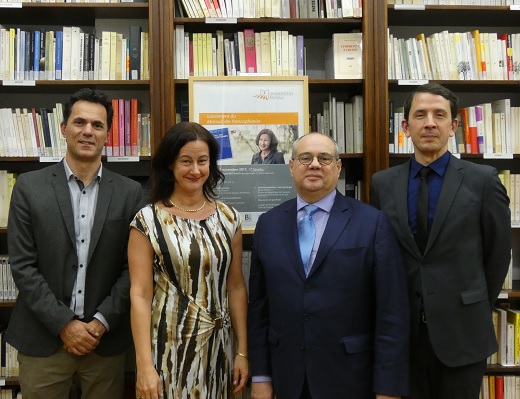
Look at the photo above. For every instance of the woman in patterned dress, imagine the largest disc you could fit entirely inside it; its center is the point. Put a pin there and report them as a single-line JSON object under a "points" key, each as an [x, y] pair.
{"points": [[187, 286]]}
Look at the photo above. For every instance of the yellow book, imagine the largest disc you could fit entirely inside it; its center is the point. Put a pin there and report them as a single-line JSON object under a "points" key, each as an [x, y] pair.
{"points": [[113, 56], [491, 387], [478, 52], [513, 316], [421, 41], [12, 40], [146, 66]]}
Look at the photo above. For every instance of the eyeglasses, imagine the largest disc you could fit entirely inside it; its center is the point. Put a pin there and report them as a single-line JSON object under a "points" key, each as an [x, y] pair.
{"points": [[306, 158]]}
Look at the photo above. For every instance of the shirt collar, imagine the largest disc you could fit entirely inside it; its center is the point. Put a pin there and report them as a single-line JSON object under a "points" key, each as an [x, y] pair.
{"points": [[439, 166], [325, 204], [70, 174]]}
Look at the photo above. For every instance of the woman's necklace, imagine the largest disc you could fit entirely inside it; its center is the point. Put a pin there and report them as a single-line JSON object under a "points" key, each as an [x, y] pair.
{"points": [[187, 210]]}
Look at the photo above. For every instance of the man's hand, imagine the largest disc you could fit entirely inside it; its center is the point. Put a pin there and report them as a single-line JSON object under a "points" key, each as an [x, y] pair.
{"points": [[262, 390], [80, 338], [387, 397]]}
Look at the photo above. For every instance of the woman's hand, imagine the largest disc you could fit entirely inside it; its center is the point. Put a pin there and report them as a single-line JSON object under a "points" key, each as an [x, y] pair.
{"points": [[148, 385], [240, 373]]}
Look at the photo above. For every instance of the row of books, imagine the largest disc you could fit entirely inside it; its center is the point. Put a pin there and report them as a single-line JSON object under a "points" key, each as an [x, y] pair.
{"points": [[511, 182], [7, 181], [71, 54], [343, 121], [73, 1], [274, 53], [350, 188], [488, 128], [500, 387], [9, 366], [37, 132], [506, 323], [270, 8], [447, 55], [8, 290], [456, 2], [10, 393]]}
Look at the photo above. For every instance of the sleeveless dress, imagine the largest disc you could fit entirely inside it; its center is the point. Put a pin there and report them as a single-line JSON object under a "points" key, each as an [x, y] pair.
{"points": [[191, 341]]}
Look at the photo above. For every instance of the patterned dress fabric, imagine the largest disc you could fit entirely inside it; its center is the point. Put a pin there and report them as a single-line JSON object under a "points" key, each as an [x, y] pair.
{"points": [[191, 341]]}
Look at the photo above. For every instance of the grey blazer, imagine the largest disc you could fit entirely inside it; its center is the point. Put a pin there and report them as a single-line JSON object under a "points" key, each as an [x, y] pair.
{"points": [[43, 258], [466, 258]]}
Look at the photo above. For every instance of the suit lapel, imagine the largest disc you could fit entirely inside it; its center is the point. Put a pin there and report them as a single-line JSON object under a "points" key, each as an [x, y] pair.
{"points": [[339, 218], [400, 188], [103, 202], [61, 190], [289, 229], [450, 186]]}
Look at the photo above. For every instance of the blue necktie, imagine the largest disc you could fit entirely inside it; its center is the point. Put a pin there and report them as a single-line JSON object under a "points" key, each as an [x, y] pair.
{"points": [[306, 235]]}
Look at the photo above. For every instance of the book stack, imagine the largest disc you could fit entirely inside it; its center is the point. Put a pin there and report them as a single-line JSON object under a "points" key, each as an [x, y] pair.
{"points": [[273, 53], [500, 387], [269, 9], [36, 132], [456, 2], [447, 55], [130, 131], [488, 128], [72, 54], [7, 181], [8, 290], [343, 121]]}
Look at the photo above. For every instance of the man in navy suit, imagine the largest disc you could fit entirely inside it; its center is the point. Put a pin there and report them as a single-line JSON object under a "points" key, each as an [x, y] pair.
{"points": [[456, 272], [68, 234], [336, 326]]}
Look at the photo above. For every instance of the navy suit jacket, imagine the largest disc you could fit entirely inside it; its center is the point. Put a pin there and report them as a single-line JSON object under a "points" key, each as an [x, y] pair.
{"points": [[42, 252], [344, 327], [460, 274]]}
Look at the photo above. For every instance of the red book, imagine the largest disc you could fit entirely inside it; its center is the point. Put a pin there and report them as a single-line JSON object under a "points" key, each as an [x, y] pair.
{"points": [[499, 387], [121, 123], [250, 50], [134, 136]]}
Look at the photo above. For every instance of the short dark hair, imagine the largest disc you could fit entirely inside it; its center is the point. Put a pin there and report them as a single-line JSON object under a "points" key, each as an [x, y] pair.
{"points": [[91, 96], [162, 179], [433, 88], [273, 141]]}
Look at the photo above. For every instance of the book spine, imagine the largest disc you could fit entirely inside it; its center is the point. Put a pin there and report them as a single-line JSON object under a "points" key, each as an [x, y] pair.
{"points": [[59, 54]]}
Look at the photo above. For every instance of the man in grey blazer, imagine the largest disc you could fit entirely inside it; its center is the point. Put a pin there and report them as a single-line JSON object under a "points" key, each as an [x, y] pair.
{"points": [[67, 237], [456, 275]]}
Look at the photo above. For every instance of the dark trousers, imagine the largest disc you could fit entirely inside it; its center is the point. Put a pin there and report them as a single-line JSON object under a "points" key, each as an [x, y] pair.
{"points": [[430, 379], [305, 392]]}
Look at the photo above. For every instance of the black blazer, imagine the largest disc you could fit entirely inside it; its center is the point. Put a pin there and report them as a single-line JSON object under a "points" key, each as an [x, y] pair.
{"points": [[466, 258], [43, 258]]}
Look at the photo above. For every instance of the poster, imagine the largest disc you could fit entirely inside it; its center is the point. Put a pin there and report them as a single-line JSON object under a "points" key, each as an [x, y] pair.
{"points": [[256, 121]]}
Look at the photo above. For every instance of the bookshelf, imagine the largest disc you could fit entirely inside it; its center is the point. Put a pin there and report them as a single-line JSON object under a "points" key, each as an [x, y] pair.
{"points": [[317, 34], [407, 23], [91, 17]]}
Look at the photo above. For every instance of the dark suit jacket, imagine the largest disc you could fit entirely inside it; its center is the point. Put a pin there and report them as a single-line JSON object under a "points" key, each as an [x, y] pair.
{"points": [[465, 261], [43, 258], [274, 157], [345, 326]]}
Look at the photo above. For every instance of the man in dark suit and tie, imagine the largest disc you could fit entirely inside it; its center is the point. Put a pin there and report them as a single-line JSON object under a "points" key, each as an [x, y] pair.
{"points": [[67, 235], [328, 310], [456, 251]]}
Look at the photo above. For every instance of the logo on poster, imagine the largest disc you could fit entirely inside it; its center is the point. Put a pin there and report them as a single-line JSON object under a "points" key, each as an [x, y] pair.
{"points": [[274, 95]]}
